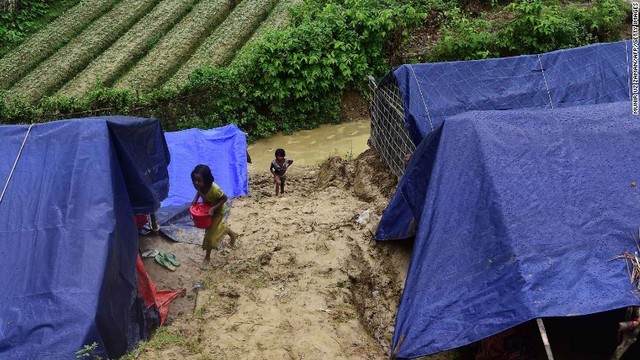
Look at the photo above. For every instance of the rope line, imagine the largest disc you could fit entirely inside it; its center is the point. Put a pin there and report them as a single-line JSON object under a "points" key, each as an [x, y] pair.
{"points": [[545, 82], [15, 163], [424, 102], [626, 58]]}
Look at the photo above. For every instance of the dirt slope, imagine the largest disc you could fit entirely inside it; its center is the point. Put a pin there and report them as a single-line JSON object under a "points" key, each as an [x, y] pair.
{"points": [[305, 282]]}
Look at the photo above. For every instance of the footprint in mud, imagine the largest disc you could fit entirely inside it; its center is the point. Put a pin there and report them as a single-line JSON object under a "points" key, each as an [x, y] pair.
{"points": [[265, 258]]}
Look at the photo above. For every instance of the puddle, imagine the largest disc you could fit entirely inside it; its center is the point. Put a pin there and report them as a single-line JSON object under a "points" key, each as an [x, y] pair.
{"points": [[311, 147]]}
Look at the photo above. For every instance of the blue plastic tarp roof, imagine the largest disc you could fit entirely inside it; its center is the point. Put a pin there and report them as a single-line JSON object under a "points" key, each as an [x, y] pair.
{"points": [[593, 74], [69, 239], [520, 215], [223, 149]]}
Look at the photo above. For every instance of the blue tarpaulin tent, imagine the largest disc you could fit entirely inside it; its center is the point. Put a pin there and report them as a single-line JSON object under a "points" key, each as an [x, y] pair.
{"points": [[520, 192], [523, 213], [68, 236], [593, 74]]}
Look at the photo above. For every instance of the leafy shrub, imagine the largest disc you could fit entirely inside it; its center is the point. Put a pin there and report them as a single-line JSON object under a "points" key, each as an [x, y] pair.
{"points": [[14, 25], [529, 27], [464, 39], [539, 28]]}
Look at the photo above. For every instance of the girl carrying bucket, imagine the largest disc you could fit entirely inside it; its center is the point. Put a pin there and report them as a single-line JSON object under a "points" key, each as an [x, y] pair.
{"points": [[211, 194]]}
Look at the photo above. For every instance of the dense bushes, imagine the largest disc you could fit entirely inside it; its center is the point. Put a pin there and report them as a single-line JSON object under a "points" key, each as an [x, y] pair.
{"points": [[16, 23], [529, 27]]}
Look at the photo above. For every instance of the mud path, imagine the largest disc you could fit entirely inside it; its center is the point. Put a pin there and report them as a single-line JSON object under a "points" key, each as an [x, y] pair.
{"points": [[306, 281]]}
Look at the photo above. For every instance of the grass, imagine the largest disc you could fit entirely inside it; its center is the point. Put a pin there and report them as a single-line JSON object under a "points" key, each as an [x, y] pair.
{"points": [[164, 338]]}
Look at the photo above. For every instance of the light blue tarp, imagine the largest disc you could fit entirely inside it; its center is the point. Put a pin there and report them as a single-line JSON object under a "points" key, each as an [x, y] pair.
{"points": [[224, 150], [68, 238], [520, 215], [594, 74]]}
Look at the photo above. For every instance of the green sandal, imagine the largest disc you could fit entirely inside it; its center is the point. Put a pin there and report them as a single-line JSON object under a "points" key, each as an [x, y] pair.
{"points": [[162, 260], [172, 258]]}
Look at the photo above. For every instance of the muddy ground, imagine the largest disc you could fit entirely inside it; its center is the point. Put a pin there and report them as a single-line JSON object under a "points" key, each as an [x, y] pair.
{"points": [[306, 280]]}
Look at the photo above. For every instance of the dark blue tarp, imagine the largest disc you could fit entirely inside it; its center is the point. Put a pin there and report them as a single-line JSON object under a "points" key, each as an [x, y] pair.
{"points": [[68, 236], [520, 215], [591, 74], [594, 74]]}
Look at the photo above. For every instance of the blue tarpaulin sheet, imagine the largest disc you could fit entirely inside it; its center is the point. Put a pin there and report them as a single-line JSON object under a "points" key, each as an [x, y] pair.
{"points": [[68, 237], [594, 74], [224, 150], [520, 213]]}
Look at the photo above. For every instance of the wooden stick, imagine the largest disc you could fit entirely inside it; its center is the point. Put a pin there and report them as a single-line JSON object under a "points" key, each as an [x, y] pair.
{"points": [[630, 331], [545, 338]]}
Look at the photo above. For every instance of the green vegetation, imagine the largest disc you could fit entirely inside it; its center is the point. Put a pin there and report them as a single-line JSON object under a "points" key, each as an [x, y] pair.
{"points": [[87, 351], [529, 27], [72, 58], [31, 15], [163, 338], [175, 47], [292, 78], [129, 48], [220, 47], [43, 44]]}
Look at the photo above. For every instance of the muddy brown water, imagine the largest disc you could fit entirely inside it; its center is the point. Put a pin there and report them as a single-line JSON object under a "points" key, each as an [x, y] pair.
{"points": [[311, 147]]}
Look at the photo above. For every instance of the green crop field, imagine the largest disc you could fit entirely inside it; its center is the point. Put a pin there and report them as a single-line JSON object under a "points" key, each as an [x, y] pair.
{"points": [[220, 47], [141, 45]]}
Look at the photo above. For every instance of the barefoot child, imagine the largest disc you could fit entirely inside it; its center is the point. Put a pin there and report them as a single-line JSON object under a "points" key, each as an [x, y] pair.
{"points": [[211, 193], [278, 168]]}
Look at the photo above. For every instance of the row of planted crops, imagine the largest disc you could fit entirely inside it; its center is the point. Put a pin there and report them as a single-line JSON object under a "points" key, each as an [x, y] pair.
{"points": [[140, 45]]}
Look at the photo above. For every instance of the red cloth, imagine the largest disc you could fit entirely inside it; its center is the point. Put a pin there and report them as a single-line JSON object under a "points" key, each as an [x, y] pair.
{"points": [[151, 296]]}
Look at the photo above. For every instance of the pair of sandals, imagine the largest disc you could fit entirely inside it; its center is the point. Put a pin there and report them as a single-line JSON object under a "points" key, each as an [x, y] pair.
{"points": [[165, 259]]}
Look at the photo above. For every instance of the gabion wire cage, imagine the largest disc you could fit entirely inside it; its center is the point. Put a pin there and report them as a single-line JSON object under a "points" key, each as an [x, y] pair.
{"points": [[388, 133]]}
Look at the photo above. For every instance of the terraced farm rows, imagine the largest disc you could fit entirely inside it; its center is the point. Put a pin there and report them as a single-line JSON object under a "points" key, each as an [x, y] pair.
{"points": [[134, 44], [177, 46], [79, 52], [276, 20], [130, 47], [17, 63], [220, 47]]}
